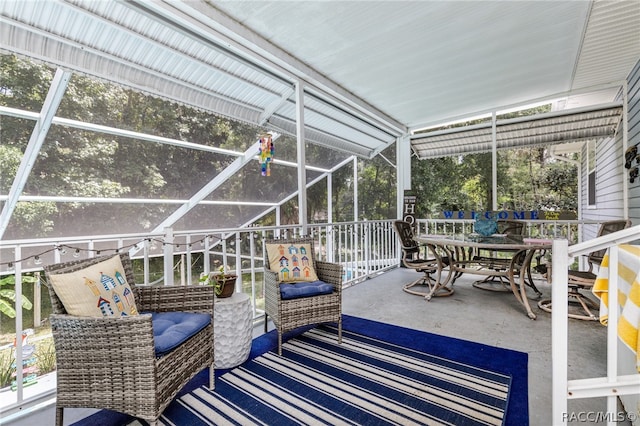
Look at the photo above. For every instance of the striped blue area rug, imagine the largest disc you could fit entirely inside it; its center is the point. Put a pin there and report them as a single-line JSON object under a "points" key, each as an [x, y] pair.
{"points": [[362, 381], [380, 375]]}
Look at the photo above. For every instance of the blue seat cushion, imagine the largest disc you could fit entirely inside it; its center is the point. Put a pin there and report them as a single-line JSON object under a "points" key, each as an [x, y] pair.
{"points": [[304, 289], [170, 329]]}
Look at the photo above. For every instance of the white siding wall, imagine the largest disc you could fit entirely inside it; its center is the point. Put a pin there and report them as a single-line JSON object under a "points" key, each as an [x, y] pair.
{"points": [[610, 172], [626, 359], [610, 178], [634, 139], [609, 184]]}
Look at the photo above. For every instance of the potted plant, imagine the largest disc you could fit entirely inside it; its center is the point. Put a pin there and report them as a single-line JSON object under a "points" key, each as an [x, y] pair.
{"points": [[224, 283]]}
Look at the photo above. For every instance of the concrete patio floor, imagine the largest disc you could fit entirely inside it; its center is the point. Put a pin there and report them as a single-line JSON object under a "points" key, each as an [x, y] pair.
{"points": [[491, 318], [495, 319]]}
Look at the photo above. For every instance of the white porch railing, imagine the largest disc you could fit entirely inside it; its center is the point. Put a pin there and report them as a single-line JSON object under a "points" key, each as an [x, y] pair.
{"points": [[364, 249], [614, 384], [569, 229]]}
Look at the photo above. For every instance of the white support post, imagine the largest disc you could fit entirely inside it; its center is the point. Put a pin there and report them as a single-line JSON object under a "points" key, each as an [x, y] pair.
{"points": [[559, 331], [37, 301], [494, 163], [355, 189], [19, 325], [302, 163], [252, 250], [329, 230], [366, 231], [147, 247], [330, 197], [189, 261], [168, 256], [403, 171], [612, 334], [182, 270], [238, 262], [207, 255], [223, 248]]}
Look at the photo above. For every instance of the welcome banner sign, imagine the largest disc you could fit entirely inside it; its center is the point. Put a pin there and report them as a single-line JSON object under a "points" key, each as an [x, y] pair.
{"points": [[509, 214]]}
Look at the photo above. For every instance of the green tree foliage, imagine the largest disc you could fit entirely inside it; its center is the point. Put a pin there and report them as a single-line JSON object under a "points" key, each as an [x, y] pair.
{"points": [[342, 193], [560, 180], [435, 186], [452, 183], [376, 190], [8, 295], [528, 179], [80, 163]]}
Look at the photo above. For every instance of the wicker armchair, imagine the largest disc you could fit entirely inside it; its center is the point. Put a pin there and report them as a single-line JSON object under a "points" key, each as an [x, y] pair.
{"points": [[111, 363], [289, 314]]}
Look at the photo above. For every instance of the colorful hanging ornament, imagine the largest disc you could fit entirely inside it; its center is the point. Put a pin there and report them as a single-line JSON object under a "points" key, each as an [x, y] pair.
{"points": [[266, 154]]}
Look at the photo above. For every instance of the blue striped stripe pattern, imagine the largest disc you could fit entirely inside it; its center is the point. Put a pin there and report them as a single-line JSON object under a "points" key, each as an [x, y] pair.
{"points": [[363, 381]]}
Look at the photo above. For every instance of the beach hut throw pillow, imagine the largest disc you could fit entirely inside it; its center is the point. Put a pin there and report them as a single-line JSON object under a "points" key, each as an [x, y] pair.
{"points": [[100, 290], [292, 262]]}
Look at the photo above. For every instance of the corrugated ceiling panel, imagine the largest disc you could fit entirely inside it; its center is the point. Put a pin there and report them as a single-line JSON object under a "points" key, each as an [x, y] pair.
{"points": [[611, 47], [137, 78], [335, 123], [544, 129], [183, 43], [330, 111], [130, 44], [186, 58], [287, 126]]}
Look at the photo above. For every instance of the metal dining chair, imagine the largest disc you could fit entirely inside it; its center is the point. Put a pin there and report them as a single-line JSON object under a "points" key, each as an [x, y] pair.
{"points": [[580, 282], [430, 265]]}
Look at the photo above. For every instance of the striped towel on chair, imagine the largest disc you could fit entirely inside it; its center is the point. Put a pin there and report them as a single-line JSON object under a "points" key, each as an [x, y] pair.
{"points": [[628, 295]]}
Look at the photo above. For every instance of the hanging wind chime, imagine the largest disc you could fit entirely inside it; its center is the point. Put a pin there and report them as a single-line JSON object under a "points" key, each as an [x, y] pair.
{"points": [[266, 154]]}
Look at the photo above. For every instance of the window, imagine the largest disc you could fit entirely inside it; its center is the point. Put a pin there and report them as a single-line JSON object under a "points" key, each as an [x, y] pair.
{"points": [[591, 182]]}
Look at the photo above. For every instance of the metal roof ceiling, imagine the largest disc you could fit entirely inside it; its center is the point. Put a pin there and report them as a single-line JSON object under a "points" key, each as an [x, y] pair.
{"points": [[425, 62], [371, 70]]}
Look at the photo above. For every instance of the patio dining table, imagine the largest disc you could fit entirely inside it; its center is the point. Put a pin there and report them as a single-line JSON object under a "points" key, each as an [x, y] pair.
{"points": [[460, 255]]}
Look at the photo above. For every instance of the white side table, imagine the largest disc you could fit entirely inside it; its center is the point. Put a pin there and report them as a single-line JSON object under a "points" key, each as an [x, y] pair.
{"points": [[232, 328]]}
